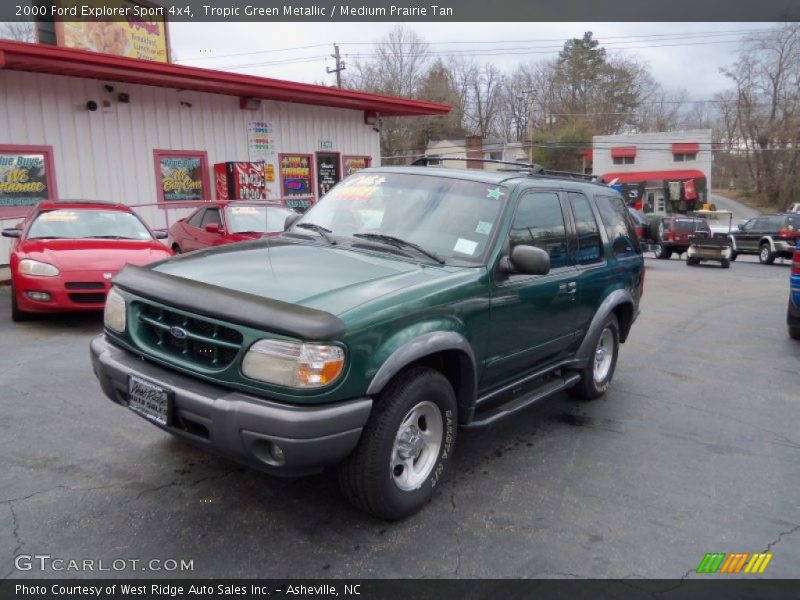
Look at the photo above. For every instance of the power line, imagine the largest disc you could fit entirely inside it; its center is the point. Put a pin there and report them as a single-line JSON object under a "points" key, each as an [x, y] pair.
{"points": [[620, 44]]}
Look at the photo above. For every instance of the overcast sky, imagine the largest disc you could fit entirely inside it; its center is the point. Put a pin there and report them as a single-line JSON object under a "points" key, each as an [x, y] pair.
{"points": [[680, 55]]}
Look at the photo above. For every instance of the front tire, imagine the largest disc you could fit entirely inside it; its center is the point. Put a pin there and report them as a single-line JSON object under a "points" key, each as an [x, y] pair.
{"points": [[17, 315], [597, 375], [726, 264], [176, 249], [405, 446], [794, 333], [765, 255]]}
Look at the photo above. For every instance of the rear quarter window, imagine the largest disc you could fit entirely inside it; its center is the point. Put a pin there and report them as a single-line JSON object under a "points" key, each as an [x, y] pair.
{"points": [[619, 226]]}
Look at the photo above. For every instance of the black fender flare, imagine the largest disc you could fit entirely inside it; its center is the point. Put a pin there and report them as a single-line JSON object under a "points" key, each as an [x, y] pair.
{"points": [[611, 302], [428, 344]]}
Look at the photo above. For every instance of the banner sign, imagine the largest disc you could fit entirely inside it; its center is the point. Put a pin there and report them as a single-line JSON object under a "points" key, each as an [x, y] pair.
{"points": [[24, 178], [327, 172], [141, 34], [296, 184], [182, 177], [353, 164]]}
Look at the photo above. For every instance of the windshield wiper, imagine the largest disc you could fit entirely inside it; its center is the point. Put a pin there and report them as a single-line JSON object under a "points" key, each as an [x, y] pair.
{"points": [[107, 237], [323, 231], [399, 243]]}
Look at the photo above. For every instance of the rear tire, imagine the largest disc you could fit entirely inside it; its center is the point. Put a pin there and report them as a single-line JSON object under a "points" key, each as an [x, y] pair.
{"points": [[794, 333], [765, 255], [405, 446], [734, 255], [176, 249], [691, 262], [661, 252], [597, 375]]}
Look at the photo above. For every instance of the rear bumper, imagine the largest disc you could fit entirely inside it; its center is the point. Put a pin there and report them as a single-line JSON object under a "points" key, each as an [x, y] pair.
{"points": [[240, 426], [793, 312]]}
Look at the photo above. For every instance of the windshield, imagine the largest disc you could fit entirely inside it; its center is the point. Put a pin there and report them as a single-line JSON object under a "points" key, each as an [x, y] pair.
{"points": [[88, 223], [451, 218], [259, 219]]}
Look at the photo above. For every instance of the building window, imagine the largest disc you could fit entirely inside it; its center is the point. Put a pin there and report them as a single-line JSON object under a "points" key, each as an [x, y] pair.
{"points": [[27, 177], [684, 157], [181, 175], [624, 160]]}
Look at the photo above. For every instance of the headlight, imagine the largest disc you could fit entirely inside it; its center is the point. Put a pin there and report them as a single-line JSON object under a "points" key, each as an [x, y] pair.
{"points": [[115, 313], [28, 266], [293, 364]]}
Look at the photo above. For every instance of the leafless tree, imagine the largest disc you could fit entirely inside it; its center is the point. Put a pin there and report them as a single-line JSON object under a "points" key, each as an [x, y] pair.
{"points": [[766, 81], [18, 30]]}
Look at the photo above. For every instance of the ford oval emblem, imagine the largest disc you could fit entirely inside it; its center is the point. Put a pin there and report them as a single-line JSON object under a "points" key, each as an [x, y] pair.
{"points": [[178, 332]]}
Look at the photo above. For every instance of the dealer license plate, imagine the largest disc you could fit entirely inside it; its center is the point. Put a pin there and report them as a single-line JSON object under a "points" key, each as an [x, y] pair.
{"points": [[149, 400]]}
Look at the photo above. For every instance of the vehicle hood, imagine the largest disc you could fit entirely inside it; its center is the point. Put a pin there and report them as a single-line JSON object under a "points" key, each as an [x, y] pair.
{"points": [[329, 278], [92, 254]]}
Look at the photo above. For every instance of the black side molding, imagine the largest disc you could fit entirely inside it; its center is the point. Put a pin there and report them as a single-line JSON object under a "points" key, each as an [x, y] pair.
{"points": [[230, 305]]}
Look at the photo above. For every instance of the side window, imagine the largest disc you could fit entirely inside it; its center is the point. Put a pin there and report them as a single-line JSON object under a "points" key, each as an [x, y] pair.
{"points": [[197, 218], [211, 216], [619, 227], [539, 222], [590, 245]]}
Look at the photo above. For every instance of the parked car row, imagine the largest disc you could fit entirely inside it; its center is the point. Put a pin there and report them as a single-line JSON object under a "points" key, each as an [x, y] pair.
{"points": [[66, 252]]}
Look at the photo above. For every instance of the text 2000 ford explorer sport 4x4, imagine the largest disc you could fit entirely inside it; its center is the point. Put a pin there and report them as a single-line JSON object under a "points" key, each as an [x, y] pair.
{"points": [[406, 303]]}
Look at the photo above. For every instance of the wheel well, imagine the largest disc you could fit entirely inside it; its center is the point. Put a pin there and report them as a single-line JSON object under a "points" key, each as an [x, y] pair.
{"points": [[457, 367], [624, 313]]}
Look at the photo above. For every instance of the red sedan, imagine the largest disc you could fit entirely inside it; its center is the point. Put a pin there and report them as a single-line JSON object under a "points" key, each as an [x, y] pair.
{"points": [[66, 253], [225, 222]]}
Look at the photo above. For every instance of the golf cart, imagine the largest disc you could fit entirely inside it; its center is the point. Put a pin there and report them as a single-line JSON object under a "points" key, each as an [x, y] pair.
{"points": [[714, 245]]}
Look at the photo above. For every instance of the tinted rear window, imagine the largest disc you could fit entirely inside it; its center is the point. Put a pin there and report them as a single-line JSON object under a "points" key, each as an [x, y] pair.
{"points": [[619, 225], [688, 225]]}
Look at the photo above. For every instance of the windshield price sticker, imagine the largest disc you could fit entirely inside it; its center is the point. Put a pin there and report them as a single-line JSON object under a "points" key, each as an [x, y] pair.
{"points": [[58, 215], [467, 247]]}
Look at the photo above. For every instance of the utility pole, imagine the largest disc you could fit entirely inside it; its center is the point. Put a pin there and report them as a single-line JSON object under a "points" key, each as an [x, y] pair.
{"points": [[339, 66]]}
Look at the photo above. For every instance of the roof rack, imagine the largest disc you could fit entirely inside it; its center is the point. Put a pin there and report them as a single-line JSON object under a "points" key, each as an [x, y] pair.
{"points": [[532, 169]]}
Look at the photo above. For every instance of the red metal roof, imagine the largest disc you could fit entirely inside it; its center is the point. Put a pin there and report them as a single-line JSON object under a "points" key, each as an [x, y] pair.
{"points": [[623, 152], [686, 148], [635, 176], [40, 58]]}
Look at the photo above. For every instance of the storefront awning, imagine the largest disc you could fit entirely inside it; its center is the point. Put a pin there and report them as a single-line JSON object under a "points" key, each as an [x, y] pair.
{"points": [[636, 176], [55, 60], [686, 148], [623, 152]]}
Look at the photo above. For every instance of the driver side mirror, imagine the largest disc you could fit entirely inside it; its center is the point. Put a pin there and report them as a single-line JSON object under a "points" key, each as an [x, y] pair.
{"points": [[213, 228], [528, 260], [161, 234], [741, 226], [12, 233], [291, 220]]}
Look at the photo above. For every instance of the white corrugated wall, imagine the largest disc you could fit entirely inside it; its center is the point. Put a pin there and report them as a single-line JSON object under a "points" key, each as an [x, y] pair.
{"points": [[108, 154]]}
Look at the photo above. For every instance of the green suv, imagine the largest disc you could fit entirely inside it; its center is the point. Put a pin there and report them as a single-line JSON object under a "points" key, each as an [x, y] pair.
{"points": [[407, 303]]}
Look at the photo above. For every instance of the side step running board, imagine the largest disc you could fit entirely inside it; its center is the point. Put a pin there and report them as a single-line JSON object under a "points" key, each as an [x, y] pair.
{"points": [[518, 404]]}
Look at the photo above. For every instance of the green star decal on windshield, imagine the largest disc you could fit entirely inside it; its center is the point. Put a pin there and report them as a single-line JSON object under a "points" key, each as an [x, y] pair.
{"points": [[495, 193]]}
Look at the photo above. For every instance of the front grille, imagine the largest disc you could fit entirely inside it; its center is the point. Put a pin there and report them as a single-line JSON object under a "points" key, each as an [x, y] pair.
{"points": [[205, 343], [85, 285], [95, 298]]}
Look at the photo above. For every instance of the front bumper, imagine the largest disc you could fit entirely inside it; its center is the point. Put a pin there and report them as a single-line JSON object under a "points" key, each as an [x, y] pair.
{"points": [[793, 311], [240, 426], [79, 291]]}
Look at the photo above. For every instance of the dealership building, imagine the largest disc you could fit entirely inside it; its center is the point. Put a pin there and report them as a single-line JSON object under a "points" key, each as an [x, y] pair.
{"points": [[658, 172], [76, 124]]}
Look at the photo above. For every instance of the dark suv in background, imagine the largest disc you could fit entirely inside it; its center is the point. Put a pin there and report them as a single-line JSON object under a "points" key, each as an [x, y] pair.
{"points": [[769, 236], [407, 302]]}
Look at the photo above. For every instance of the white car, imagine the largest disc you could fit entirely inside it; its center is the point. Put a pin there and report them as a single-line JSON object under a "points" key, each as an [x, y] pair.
{"points": [[794, 208]]}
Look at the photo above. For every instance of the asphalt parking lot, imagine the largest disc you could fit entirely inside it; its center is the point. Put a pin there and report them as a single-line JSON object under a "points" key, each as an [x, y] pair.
{"points": [[695, 449]]}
